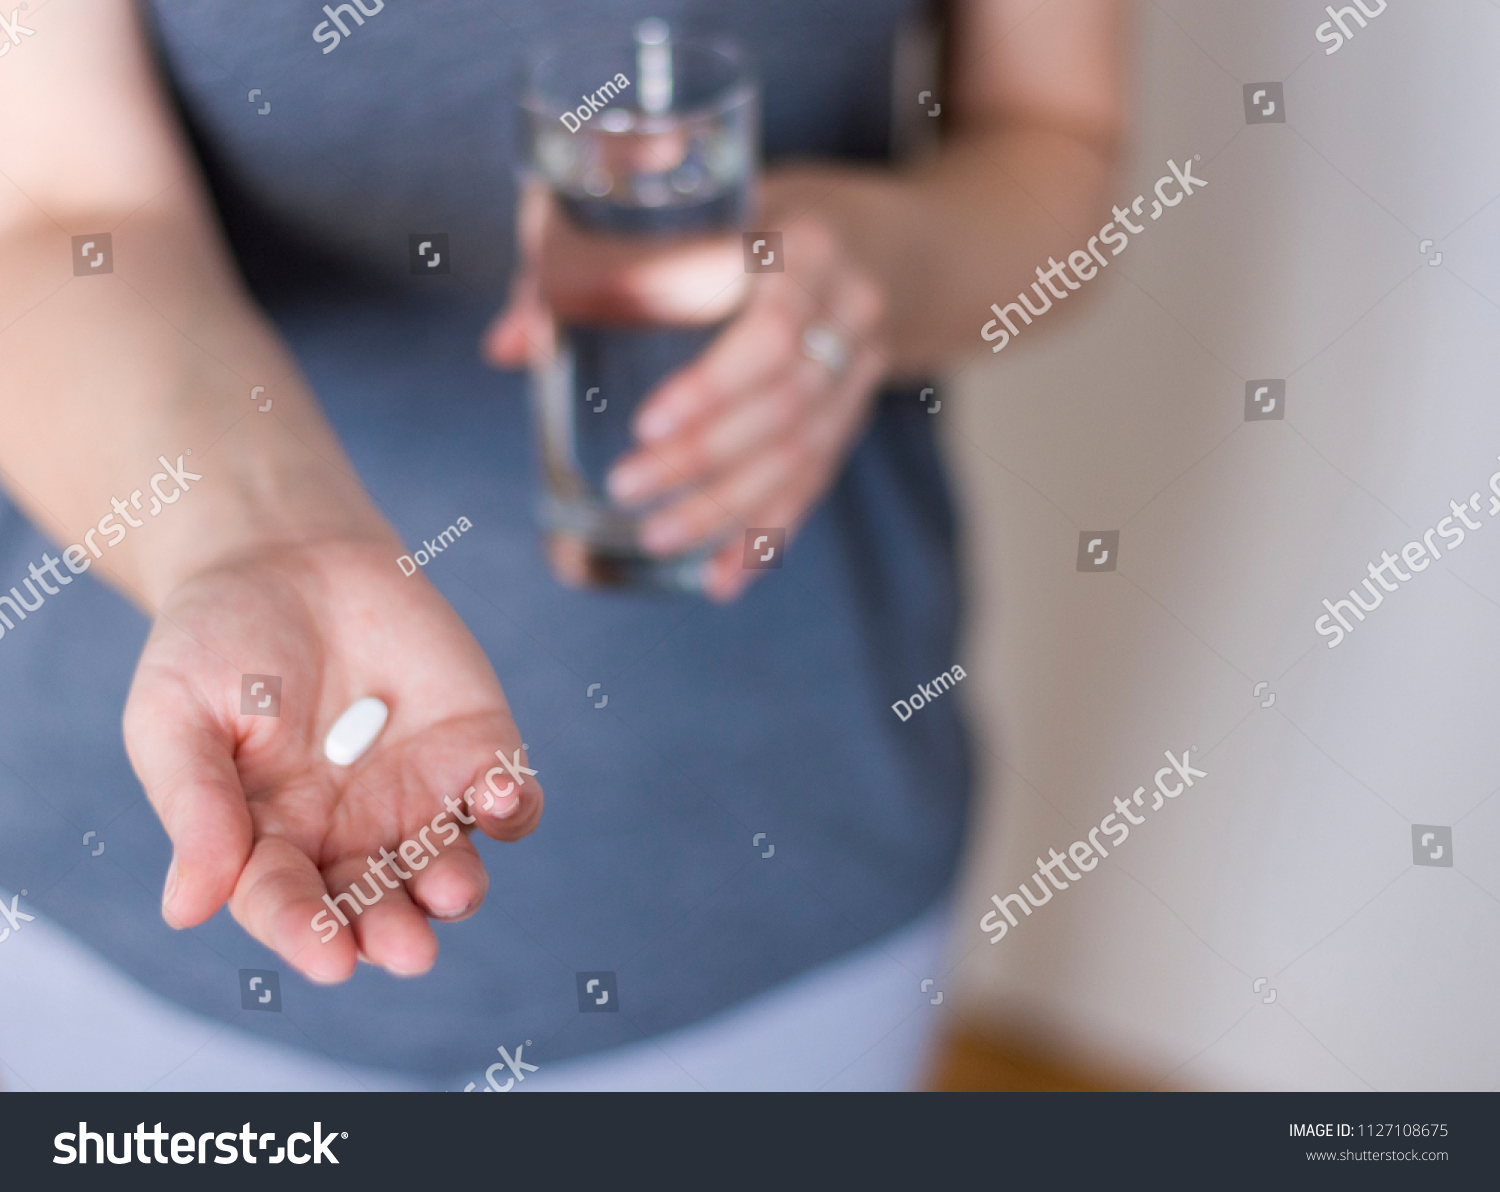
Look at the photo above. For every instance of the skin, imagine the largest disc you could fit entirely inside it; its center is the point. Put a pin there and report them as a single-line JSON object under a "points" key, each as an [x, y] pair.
{"points": [[277, 562]]}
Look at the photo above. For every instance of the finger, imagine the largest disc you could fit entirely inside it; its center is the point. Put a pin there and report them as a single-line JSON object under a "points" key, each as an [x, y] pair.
{"points": [[506, 341], [455, 769], [593, 278], [185, 761], [515, 816], [704, 449], [754, 351], [801, 462], [505, 800], [534, 209], [723, 423], [727, 574], [278, 897], [709, 512], [826, 441], [757, 347], [389, 929], [448, 885]]}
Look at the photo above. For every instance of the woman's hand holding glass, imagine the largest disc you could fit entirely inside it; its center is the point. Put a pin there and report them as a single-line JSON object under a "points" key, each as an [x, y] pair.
{"points": [[755, 430]]}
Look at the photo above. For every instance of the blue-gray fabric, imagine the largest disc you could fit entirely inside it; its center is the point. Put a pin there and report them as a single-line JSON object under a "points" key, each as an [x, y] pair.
{"points": [[770, 715]]}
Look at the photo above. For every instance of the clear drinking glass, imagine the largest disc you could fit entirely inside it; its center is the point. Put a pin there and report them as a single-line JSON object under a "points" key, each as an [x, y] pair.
{"points": [[672, 155]]}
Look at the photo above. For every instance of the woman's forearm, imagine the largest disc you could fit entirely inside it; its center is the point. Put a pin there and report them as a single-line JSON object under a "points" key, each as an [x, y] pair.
{"points": [[104, 377]]}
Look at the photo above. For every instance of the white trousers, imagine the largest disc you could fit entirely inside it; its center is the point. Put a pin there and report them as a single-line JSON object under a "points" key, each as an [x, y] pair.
{"points": [[70, 1021]]}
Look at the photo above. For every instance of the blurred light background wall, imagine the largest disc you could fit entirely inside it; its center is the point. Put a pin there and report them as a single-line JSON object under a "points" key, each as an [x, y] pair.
{"points": [[1294, 860]]}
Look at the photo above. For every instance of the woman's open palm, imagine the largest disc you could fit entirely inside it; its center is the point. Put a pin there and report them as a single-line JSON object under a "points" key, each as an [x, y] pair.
{"points": [[258, 816]]}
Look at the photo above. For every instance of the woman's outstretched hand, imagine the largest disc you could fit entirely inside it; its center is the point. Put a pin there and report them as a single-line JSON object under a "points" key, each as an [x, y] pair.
{"points": [[259, 817]]}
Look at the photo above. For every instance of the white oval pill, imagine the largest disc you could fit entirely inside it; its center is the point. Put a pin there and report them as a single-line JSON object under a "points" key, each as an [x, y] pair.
{"points": [[355, 731]]}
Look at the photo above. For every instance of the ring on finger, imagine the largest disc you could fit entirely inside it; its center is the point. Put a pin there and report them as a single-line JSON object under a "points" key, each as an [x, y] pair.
{"points": [[822, 343]]}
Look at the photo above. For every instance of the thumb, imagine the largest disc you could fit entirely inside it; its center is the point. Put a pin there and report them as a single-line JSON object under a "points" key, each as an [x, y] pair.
{"points": [[186, 763], [518, 329]]}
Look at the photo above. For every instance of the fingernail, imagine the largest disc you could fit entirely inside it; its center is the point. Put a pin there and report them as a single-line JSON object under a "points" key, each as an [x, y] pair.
{"points": [[506, 807], [656, 423], [167, 891], [625, 482], [662, 535], [467, 908]]}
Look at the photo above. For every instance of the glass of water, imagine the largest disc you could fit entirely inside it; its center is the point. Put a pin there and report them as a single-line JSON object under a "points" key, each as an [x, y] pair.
{"points": [[645, 141]]}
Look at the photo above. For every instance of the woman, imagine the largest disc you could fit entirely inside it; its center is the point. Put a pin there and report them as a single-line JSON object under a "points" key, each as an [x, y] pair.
{"points": [[208, 142]]}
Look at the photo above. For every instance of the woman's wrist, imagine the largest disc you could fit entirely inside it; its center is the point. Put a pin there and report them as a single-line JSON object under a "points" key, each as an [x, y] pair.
{"points": [[868, 211], [945, 235], [249, 508], [231, 483]]}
